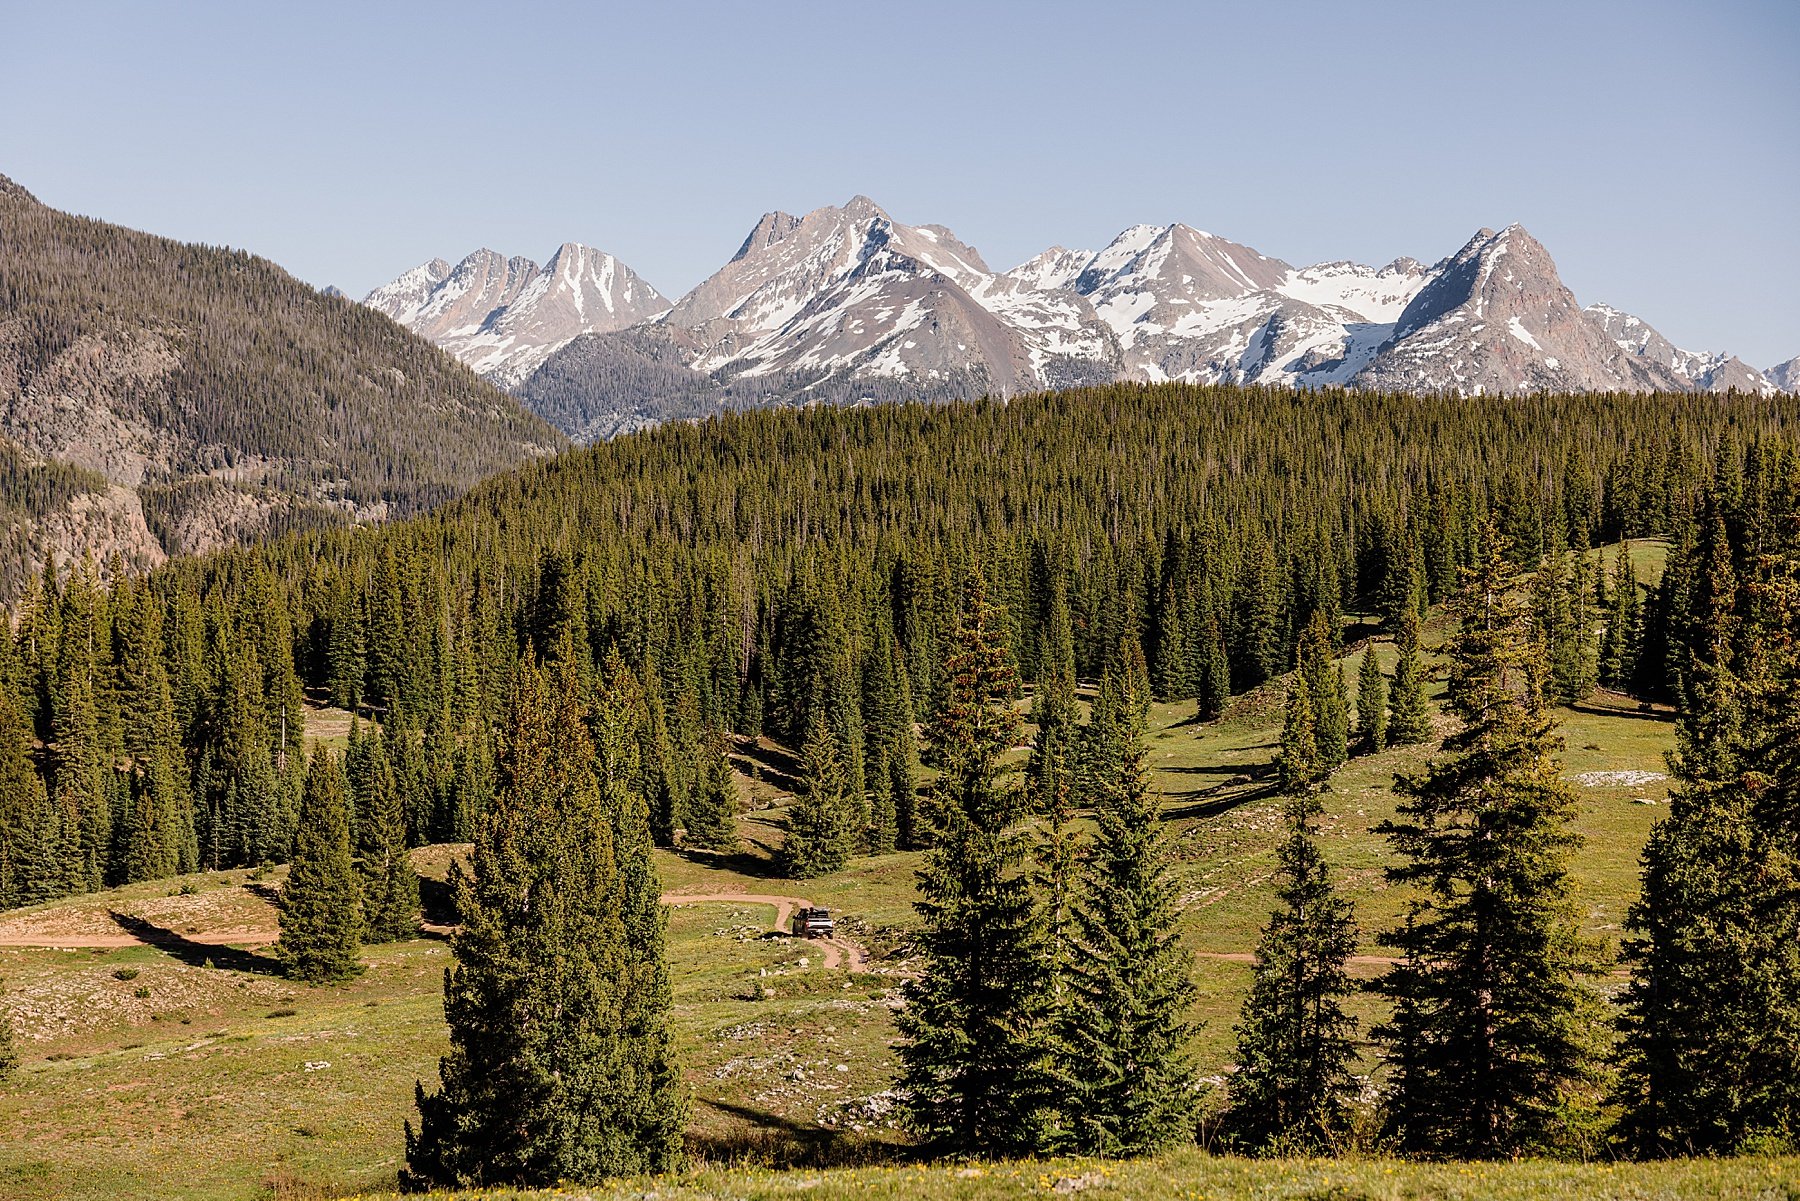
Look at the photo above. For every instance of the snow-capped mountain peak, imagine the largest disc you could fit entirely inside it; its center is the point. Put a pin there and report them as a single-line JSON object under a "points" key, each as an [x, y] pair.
{"points": [[505, 316], [847, 303]]}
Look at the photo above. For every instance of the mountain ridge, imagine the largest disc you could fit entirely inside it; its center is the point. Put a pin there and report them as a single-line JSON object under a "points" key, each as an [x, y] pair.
{"points": [[160, 397], [845, 302]]}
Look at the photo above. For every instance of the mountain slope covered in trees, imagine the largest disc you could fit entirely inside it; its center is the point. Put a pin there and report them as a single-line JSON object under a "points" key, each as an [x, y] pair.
{"points": [[764, 571], [158, 397]]}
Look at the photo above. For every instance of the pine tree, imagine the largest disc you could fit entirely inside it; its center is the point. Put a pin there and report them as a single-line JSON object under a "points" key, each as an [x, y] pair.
{"points": [[79, 784], [1371, 703], [1215, 671], [820, 829], [649, 1100], [1493, 1022], [1618, 645], [710, 816], [1409, 716], [30, 867], [388, 886], [1127, 1081], [320, 917], [1297, 768], [545, 1081], [974, 1063], [1712, 1022], [1326, 695], [1050, 788], [1294, 1088]]}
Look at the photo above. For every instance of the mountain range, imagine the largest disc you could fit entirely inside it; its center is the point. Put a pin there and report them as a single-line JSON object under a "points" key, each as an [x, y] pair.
{"points": [[846, 304]]}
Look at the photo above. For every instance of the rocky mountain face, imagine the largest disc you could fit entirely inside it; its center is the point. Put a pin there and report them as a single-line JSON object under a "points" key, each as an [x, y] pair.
{"points": [[505, 316], [1785, 376], [159, 398], [848, 305]]}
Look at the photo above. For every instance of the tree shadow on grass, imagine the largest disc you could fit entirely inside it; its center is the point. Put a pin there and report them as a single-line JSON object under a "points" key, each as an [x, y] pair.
{"points": [[770, 1140], [1207, 802], [195, 954], [742, 860], [1664, 716], [437, 904]]}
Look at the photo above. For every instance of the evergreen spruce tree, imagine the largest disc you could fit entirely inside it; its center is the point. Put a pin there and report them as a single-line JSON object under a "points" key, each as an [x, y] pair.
{"points": [[388, 886], [1712, 1023], [1371, 703], [710, 816], [1326, 694], [1215, 671], [320, 918], [821, 831], [1050, 787], [649, 1101], [1297, 767], [30, 870], [1493, 1026], [974, 1065], [1294, 1088], [1618, 645], [1409, 715], [1128, 1085], [79, 784], [556, 1071]]}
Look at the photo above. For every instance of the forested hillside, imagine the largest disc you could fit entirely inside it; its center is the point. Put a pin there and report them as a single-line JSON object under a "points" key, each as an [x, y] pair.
{"points": [[764, 570], [187, 397]]}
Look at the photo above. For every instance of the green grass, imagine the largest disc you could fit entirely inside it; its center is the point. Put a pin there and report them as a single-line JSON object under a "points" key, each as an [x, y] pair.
{"points": [[1195, 1176], [201, 1087]]}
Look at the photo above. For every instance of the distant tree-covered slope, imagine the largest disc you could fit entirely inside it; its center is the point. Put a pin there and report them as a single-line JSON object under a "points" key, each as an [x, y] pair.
{"points": [[205, 396]]}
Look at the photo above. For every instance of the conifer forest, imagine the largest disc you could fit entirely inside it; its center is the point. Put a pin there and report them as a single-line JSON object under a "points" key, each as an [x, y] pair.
{"points": [[954, 622]]}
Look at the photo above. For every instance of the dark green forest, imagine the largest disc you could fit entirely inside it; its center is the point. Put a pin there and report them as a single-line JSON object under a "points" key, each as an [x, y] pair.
{"points": [[838, 578], [762, 570]]}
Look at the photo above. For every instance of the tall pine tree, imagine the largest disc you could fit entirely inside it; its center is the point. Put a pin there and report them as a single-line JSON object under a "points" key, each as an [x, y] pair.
{"points": [[1409, 715], [974, 1064], [1128, 1084], [821, 824], [321, 920], [1294, 1087], [545, 1079], [1492, 1035]]}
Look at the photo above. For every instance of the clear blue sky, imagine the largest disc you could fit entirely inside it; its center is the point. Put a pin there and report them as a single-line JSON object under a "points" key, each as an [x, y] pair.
{"points": [[1654, 147]]}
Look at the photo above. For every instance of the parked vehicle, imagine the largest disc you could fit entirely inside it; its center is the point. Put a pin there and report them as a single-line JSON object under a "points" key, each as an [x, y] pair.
{"points": [[813, 923]]}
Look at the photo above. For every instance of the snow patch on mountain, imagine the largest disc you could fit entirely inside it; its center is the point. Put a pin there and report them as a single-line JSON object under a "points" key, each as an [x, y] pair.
{"points": [[505, 316]]}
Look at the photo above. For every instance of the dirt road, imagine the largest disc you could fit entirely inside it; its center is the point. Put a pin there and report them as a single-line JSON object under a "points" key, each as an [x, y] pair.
{"points": [[836, 952]]}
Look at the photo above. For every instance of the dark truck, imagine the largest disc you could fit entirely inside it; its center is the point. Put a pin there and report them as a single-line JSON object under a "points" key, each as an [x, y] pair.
{"points": [[813, 923]]}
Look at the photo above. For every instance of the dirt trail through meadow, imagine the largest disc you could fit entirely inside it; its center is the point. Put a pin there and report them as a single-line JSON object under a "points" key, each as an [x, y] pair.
{"points": [[837, 952]]}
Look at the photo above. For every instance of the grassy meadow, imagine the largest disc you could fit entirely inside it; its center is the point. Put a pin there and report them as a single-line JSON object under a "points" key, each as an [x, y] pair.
{"points": [[192, 1069]]}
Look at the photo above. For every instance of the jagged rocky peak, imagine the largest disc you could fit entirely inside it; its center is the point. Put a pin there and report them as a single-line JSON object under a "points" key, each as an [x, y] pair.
{"points": [[1785, 376], [1178, 262], [769, 230], [1054, 268], [1508, 272], [846, 302], [1702, 370], [505, 316]]}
